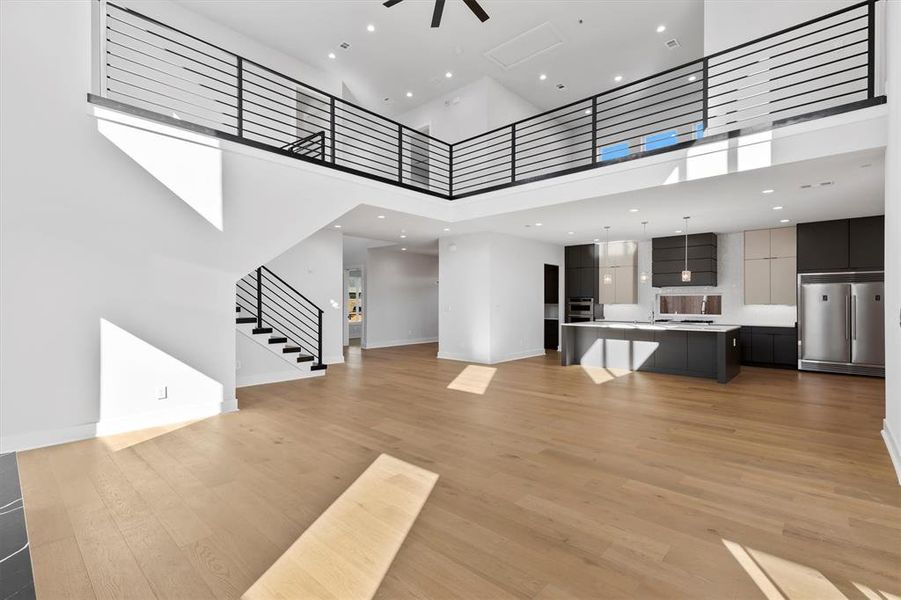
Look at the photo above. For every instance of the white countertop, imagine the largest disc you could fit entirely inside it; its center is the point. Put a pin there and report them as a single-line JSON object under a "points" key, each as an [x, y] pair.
{"points": [[656, 326]]}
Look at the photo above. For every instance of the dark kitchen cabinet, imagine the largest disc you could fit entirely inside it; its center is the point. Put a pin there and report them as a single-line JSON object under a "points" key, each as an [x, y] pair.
{"points": [[672, 349], [551, 334], [823, 246], [769, 347], [701, 354], [668, 260], [867, 244], [642, 349], [581, 271], [551, 284]]}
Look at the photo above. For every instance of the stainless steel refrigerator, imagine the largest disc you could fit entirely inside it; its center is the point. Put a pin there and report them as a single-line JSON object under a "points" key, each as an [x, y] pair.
{"points": [[841, 322]]}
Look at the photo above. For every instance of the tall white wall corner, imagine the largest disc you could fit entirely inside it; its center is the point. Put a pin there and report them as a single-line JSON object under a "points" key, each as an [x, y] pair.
{"points": [[892, 427]]}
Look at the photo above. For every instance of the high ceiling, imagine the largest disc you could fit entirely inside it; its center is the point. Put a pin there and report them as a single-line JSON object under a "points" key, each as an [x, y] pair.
{"points": [[846, 185], [591, 42]]}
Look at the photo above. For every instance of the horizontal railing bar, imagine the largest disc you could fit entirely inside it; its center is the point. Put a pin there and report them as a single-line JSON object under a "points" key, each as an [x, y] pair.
{"points": [[788, 29], [775, 56], [168, 108], [698, 104], [481, 183], [645, 134], [464, 177], [790, 85], [292, 134], [291, 98], [166, 62], [683, 77], [503, 141], [585, 159], [166, 73], [171, 51], [408, 154], [295, 320], [386, 129], [573, 141], [699, 92], [277, 112], [799, 71], [463, 164], [520, 129], [380, 161], [441, 178], [310, 314], [782, 43], [266, 271], [183, 45], [144, 78], [173, 108], [780, 66], [583, 117], [698, 111], [489, 136], [581, 149]]}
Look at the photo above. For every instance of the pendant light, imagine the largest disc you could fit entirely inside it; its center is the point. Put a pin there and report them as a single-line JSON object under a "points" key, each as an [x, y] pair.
{"points": [[643, 277], [686, 274], [608, 278]]}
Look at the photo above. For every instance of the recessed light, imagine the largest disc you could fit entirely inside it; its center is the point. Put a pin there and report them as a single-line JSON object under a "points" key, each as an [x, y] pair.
{"points": [[618, 78], [661, 28], [597, 239], [692, 78], [331, 55], [448, 74], [767, 191], [381, 216], [538, 224], [678, 231], [447, 229], [337, 227], [783, 220], [777, 208], [409, 94], [542, 77], [570, 233], [403, 236], [403, 249], [633, 210], [370, 28]]}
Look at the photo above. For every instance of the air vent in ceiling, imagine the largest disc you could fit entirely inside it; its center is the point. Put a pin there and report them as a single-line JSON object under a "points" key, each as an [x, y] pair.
{"points": [[525, 46], [673, 44], [345, 46]]}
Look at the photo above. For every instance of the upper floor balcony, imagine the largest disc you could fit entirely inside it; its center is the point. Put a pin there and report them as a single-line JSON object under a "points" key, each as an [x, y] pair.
{"points": [[821, 67]]}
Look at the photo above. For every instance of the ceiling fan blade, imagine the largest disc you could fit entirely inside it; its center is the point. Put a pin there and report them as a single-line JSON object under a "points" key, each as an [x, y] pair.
{"points": [[478, 10], [439, 10], [390, 3]]}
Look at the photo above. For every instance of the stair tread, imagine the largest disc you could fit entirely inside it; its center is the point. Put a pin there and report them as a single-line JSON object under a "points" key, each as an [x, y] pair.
{"points": [[278, 340], [258, 330], [288, 349], [304, 358], [242, 320]]}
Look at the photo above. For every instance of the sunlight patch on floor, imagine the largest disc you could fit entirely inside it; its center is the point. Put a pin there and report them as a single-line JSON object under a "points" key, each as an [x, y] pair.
{"points": [[121, 441], [781, 579], [474, 379], [347, 551], [601, 375]]}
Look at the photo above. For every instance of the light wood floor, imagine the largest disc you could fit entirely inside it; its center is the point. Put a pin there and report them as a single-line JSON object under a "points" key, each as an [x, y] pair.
{"points": [[551, 486]]}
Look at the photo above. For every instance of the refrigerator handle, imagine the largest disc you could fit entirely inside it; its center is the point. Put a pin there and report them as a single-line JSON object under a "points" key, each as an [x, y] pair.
{"points": [[854, 316], [847, 320]]}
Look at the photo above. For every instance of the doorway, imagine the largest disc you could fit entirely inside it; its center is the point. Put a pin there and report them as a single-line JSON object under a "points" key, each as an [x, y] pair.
{"points": [[353, 306]]}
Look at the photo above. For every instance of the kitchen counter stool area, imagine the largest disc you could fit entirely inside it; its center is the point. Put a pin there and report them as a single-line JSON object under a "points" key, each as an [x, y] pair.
{"points": [[713, 352]]}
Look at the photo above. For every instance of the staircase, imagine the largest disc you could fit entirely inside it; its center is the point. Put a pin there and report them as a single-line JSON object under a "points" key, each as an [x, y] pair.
{"points": [[275, 315]]}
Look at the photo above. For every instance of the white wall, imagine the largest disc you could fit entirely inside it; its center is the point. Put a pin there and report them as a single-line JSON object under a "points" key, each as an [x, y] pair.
{"points": [[470, 110], [104, 233], [492, 296], [400, 298], [892, 429], [730, 279], [729, 23]]}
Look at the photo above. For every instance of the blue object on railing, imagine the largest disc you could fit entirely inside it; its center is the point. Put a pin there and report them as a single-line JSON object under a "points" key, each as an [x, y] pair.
{"points": [[612, 151], [699, 131], [661, 140]]}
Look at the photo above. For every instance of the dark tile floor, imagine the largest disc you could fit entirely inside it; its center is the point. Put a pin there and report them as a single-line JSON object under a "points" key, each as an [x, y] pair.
{"points": [[16, 581]]}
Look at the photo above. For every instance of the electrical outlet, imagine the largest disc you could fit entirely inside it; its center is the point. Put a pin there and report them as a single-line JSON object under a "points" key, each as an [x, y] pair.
{"points": [[162, 392]]}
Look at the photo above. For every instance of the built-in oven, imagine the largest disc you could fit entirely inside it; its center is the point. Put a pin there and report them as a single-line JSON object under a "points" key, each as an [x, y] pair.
{"points": [[579, 310]]}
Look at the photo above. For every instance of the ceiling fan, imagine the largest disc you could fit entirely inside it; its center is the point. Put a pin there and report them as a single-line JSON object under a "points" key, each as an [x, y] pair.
{"points": [[439, 10]]}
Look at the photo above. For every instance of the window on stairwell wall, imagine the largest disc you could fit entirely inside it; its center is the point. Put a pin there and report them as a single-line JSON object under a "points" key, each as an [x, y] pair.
{"points": [[662, 139]]}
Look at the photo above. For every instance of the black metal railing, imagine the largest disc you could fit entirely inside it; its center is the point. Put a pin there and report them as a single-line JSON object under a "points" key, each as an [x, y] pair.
{"points": [[277, 305], [826, 64], [819, 67]]}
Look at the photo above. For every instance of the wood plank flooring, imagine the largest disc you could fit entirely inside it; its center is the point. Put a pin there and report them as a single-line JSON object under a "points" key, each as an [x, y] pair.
{"points": [[551, 486]]}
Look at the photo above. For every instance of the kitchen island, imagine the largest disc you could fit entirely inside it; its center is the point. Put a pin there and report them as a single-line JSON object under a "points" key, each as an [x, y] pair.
{"points": [[696, 350]]}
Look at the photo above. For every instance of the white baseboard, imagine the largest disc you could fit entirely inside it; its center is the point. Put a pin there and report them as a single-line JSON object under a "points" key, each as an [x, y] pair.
{"points": [[277, 377], [894, 450], [507, 358], [393, 343], [333, 360], [53, 437]]}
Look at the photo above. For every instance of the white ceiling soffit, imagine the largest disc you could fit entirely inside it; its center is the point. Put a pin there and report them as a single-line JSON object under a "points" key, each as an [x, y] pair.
{"points": [[525, 46]]}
